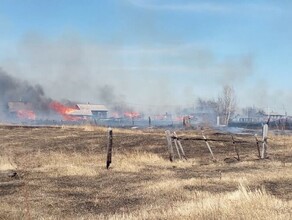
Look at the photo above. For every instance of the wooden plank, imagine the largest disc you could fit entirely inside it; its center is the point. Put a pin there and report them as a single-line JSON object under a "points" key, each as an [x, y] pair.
{"points": [[209, 139]]}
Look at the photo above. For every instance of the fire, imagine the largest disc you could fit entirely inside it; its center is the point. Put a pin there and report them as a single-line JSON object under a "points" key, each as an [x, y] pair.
{"points": [[132, 114], [26, 114], [63, 110], [115, 115]]}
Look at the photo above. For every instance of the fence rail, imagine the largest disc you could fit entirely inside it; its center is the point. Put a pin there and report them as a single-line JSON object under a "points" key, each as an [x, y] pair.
{"points": [[174, 141]]}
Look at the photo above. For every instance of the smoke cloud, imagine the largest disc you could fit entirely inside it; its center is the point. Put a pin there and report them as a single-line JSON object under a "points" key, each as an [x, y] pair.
{"points": [[12, 89], [148, 78]]}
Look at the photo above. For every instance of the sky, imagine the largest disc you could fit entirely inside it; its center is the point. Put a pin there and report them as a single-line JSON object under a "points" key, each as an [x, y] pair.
{"points": [[151, 53]]}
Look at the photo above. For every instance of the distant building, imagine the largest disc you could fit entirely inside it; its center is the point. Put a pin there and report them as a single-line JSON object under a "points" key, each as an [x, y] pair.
{"points": [[259, 117], [14, 107], [90, 111], [21, 110], [254, 118]]}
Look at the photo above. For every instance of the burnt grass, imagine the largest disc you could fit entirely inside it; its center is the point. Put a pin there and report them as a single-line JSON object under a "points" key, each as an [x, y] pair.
{"points": [[114, 191]]}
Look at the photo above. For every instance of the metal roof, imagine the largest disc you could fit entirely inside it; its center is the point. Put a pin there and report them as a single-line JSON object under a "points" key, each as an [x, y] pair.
{"points": [[87, 109], [91, 107], [78, 112]]}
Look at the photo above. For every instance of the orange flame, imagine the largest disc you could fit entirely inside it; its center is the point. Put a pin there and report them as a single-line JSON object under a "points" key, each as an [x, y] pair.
{"points": [[132, 114], [63, 110]]}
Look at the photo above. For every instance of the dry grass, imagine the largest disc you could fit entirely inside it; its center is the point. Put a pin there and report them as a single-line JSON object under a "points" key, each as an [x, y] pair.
{"points": [[240, 204], [6, 163], [62, 175]]}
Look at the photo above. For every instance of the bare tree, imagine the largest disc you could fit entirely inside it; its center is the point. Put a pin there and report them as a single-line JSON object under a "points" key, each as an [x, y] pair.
{"points": [[227, 104], [207, 105]]}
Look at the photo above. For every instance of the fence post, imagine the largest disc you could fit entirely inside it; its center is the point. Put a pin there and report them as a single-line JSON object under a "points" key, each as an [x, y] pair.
{"points": [[169, 145], [176, 146], [258, 146], [235, 148], [109, 148], [265, 141], [208, 146], [180, 146]]}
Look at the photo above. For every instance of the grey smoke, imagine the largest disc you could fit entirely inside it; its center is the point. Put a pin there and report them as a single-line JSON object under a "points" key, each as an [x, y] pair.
{"points": [[115, 102], [12, 89], [107, 95]]}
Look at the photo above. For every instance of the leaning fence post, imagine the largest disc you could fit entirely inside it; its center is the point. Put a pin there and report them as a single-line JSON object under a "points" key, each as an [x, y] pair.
{"points": [[235, 148], [208, 146], [169, 145], [180, 146], [176, 146], [258, 146], [109, 148]]}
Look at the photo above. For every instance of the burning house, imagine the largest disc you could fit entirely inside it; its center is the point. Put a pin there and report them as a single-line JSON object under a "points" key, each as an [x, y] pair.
{"points": [[21, 110], [86, 111], [25, 111], [36, 107], [78, 112]]}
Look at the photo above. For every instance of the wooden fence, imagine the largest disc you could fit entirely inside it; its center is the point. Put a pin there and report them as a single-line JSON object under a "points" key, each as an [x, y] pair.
{"points": [[174, 145]]}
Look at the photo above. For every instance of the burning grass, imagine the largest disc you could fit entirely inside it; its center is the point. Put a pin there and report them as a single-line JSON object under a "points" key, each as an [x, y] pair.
{"points": [[61, 175]]}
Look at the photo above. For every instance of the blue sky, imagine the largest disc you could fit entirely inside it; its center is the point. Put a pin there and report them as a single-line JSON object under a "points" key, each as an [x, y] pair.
{"points": [[151, 52]]}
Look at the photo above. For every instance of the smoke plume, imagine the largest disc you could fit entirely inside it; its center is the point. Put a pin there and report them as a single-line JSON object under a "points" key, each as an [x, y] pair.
{"points": [[152, 78], [12, 89]]}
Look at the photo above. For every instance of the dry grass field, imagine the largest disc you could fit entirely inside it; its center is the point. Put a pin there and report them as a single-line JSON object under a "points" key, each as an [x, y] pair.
{"points": [[60, 174]]}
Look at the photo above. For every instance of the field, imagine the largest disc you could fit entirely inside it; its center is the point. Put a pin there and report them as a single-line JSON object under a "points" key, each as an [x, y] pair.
{"points": [[59, 173]]}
